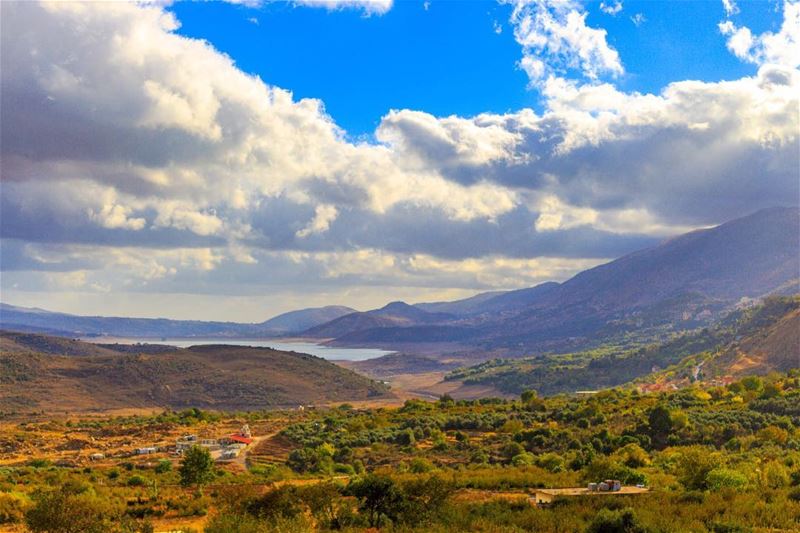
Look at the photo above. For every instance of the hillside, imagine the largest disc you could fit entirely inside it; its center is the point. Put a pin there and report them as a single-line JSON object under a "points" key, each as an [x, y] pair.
{"points": [[756, 340], [39, 372], [773, 346]]}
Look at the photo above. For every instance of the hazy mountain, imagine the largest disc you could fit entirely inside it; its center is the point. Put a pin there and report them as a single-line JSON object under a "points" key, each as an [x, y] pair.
{"points": [[41, 321], [392, 315], [56, 374], [467, 306], [297, 321], [491, 302]]}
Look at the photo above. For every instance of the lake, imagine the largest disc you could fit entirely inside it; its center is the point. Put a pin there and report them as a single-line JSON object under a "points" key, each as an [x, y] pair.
{"points": [[326, 352]]}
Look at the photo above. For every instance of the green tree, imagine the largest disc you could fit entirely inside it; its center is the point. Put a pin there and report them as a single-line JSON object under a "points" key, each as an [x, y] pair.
{"points": [[693, 466], [63, 511], [722, 478], [322, 500], [379, 497], [660, 422], [197, 467]]}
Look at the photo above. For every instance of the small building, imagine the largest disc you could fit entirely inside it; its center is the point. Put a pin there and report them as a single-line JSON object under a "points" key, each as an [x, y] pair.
{"points": [[146, 451], [228, 454], [543, 497], [238, 439], [97, 457]]}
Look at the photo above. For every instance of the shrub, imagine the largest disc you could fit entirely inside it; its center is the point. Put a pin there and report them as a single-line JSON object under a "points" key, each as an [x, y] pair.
{"points": [[282, 502], [693, 466], [64, 512], [623, 521], [725, 478], [774, 475], [523, 459], [551, 462], [235, 523], [164, 466], [13, 507], [420, 465], [136, 481]]}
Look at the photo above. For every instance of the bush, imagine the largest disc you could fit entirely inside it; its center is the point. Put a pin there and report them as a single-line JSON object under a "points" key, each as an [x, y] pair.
{"points": [[774, 475], [282, 502], [236, 523], [164, 466], [603, 467], [523, 459], [694, 465], [608, 521], [13, 507], [725, 478], [551, 462], [64, 512], [136, 481], [420, 465]]}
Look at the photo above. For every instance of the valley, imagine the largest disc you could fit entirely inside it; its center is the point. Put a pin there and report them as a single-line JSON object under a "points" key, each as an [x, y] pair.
{"points": [[674, 383]]}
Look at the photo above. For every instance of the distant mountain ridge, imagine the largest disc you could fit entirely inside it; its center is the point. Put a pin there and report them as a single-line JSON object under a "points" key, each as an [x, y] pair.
{"points": [[36, 320]]}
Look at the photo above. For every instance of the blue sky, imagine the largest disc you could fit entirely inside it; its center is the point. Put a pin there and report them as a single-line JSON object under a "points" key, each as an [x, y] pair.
{"points": [[448, 59], [230, 162]]}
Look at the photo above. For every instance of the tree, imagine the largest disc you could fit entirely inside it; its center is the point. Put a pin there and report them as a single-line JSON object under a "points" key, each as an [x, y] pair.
{"points": [[693, 466], [379, 497], [528, 396], [63, 511], [322, 500], [722, 478], [660, 421], [164, 466], [197, 467]]}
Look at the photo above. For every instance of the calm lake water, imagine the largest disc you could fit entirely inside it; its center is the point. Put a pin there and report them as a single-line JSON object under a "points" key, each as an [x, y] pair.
{"points": [[326, 352]]}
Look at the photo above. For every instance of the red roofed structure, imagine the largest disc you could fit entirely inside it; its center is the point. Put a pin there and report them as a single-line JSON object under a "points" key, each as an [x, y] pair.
{"points": [[235, 437]]}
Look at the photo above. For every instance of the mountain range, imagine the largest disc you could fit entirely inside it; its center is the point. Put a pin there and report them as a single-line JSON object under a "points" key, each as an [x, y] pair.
{"points": [[685, 282]]}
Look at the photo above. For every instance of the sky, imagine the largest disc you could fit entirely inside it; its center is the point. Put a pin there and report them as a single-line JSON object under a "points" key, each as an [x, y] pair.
{"points": [[231, 161]]}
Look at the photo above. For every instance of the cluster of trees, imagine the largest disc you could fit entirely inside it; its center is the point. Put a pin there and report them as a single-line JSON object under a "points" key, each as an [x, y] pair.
{"points": [[719, 459]]}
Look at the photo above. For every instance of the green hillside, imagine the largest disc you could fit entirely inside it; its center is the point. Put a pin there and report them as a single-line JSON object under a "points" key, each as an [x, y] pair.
{"points": [[775, 320]]}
